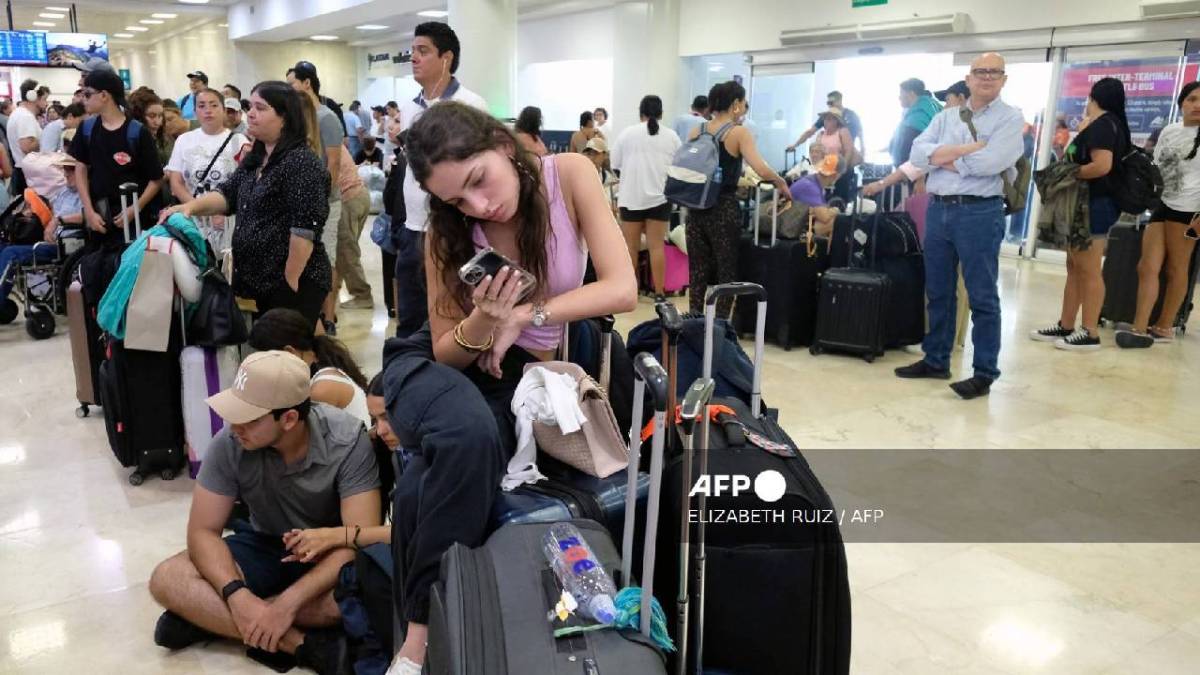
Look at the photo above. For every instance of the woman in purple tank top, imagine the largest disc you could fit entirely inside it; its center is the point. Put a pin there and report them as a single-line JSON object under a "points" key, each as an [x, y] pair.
{"points": [[544, 214]]}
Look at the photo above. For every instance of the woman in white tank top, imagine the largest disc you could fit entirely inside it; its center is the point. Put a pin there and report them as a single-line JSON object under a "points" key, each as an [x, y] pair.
{"points": [[337, 379]]}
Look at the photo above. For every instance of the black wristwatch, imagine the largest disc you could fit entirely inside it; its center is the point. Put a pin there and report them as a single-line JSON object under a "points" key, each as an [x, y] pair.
{"points": [[231, 588]]}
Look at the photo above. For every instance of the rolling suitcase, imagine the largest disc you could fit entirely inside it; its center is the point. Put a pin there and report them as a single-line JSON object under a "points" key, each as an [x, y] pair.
{"points": [[205, 371], [488, 610], [852, 309], [140, 394], [773, 597], [1121, 278], [790, 271], [87, 348]]}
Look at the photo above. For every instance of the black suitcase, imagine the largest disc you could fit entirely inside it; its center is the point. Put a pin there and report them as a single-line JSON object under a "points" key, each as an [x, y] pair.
{"points": [[889, 244], [852, 310], [488, 610], [790, 271], [769, 598], [1121, 278], [140, 395]]}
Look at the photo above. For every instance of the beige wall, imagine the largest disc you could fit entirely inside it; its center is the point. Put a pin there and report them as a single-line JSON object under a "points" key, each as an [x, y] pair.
{"points": [[164, 65]]}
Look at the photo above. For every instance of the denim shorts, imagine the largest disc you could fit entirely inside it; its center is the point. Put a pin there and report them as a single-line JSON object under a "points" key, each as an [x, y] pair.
{"points": [[1102, 214], [259, 556]]}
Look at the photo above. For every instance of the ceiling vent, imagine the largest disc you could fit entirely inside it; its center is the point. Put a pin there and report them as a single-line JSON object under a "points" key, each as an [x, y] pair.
{"points": [[932, 26], [1164, 9]]}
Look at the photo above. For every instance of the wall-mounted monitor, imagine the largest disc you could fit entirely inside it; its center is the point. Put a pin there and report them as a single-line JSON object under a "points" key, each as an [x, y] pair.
{"points": [[22, 48], [67, 49]]}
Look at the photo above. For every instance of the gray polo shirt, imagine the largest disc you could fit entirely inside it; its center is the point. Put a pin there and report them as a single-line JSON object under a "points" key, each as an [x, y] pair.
{"points": [[340, 463], [332, 135]]}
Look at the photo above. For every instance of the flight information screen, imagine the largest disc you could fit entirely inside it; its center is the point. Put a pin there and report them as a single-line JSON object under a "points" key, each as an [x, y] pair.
{"points": [[22, 47]]}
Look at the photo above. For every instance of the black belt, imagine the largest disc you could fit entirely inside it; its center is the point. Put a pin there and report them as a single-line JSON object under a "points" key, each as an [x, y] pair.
{"points": [[962, 199]]}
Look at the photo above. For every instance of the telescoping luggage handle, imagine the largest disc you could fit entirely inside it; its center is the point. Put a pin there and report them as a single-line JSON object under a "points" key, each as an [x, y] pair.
{"points": [[774, 209], [672, 328], [129, 197], [694, 409], [736, 289], [647, 374]]}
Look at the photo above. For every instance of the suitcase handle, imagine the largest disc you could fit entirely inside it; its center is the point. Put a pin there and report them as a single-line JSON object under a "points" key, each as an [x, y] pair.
{"points": [[735, 289], [774, 211], [693, 410], [669, 319], [648, 374]]}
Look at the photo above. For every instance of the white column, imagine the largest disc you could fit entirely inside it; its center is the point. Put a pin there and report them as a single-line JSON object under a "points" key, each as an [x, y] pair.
{"points": [[487, 30], [1044, 154], [645, 58]]}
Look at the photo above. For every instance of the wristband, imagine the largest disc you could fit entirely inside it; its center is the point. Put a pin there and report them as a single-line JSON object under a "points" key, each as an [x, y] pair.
{"points": [[231, 588]]}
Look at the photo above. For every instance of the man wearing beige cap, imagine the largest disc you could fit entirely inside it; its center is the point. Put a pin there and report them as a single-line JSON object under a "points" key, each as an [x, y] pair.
{"points": [[295, 464]]}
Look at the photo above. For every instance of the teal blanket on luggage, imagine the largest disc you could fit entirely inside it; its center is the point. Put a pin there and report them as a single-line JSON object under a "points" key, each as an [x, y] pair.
{"points": [[111, 313]]}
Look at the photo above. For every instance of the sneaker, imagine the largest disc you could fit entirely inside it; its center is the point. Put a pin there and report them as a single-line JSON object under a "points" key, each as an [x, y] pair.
{"points": [[404, 666], [1128, 339], [1051, 334], [175, 632], [364, 302], [325, 652], [1080, 340], [1122, 325], [922, 369]]}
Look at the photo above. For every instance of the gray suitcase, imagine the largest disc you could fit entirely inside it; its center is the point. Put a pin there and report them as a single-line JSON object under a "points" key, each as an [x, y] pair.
{"points": [[488, 610]]}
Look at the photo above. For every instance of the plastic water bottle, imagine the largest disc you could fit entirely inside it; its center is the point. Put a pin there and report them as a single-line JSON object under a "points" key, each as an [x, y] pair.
{"points": [[580, 573]]}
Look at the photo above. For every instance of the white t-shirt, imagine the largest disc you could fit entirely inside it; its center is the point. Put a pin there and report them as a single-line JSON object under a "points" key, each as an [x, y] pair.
{"points": [[416, 200], [195, 149], [21, 124], [643, 160], [1181, 177]]}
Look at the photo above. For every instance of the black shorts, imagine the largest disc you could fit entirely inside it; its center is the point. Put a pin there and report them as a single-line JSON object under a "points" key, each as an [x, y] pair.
{"points": [[660, 212], [260, 558], [1165, 213]]}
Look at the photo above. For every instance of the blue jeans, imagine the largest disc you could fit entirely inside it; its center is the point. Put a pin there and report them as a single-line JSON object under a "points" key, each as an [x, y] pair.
{"points": [[970, 234], [12, 255], [411, 309]]}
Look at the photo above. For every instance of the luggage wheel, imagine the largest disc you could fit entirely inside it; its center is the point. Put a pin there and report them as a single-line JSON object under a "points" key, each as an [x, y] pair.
{"points": [[82, 411], [816, 350], [39, 323], [167, 474], [136, 479], [8, 311], [869, 358]]}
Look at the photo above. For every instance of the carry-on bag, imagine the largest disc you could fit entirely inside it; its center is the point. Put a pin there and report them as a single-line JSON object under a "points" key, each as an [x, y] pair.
{"points": [[206, 371], [87, 348], [751, 598], [852, 307], [140, 392], [1121, 279], [493, 609]]}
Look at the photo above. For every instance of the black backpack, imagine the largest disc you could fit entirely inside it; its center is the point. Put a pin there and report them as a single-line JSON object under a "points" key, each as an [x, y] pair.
{"points": [[1139, 183]]}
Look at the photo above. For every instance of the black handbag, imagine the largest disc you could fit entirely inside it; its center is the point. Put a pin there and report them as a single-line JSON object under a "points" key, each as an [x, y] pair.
{"points": [[217, 321], [19, 228]]}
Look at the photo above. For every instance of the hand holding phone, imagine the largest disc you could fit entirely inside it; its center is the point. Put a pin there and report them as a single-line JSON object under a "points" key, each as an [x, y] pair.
{"points": [[488, 263]]}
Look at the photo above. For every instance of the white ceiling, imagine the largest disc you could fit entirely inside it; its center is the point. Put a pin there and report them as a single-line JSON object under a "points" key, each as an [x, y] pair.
{"points": [[95, 16]]}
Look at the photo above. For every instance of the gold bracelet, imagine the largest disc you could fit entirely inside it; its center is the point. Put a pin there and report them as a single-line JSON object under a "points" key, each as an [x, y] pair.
{"points": [[462, 340]]}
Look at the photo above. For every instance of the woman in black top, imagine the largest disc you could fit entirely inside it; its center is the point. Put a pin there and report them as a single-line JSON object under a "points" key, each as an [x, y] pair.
{"points": [[1102, 140], [712, 234], [280, 195]]}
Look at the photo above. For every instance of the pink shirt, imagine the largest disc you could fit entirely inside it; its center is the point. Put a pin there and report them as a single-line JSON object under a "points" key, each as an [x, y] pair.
{"points": [[566, 258]]}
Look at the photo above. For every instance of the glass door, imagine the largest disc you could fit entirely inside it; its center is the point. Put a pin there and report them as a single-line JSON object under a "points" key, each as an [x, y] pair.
{"points": [[781, 104]]}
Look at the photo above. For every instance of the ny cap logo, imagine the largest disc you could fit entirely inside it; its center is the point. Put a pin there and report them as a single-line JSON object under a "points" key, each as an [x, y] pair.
{"points": [[240, 382]]}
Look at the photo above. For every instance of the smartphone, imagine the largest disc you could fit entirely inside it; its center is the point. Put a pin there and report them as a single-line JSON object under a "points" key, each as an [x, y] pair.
{"points": [[489, 263]]}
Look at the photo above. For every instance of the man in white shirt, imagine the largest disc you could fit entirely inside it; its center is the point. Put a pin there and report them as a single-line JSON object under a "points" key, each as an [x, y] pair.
{"points": [[603, 124], [24, 132], [52, 135], [435, 59]]}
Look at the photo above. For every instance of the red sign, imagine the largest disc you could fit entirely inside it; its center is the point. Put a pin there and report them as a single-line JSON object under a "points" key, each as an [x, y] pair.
{"points": [[1149, 79]]}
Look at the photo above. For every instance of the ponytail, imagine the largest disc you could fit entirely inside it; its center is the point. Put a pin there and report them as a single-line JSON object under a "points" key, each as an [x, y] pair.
{"points": [[1195, 145], [332, 353], [651, 108]]}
